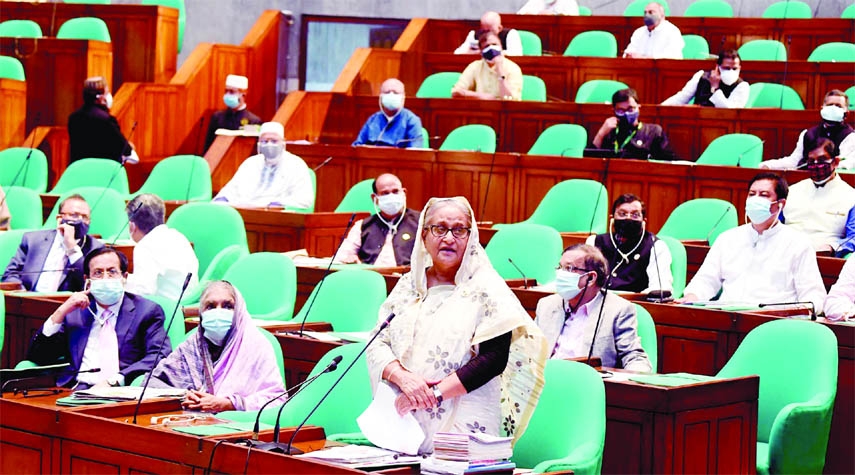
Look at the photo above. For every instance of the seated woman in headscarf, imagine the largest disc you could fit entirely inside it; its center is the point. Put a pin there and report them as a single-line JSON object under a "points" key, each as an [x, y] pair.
{"points": [[462, 351], [227, 364]]}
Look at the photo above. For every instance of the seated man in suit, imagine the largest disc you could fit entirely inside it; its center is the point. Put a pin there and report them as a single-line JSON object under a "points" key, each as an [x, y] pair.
{"points": [[102, 327], [385, 238], [52, 260], [568, 318]]}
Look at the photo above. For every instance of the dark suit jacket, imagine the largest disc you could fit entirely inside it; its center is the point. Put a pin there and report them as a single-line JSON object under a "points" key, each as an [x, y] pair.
{"points": [[28, 262], [139, 328], [94, 133]]}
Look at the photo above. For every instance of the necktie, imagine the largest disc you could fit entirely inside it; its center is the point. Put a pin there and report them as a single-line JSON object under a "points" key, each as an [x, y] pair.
{"points": [[108, 346]]}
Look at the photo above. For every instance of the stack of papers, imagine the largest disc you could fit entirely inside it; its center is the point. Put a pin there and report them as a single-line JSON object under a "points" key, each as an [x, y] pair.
{"points": [[471, 447], [357, 456], [126, 393]]}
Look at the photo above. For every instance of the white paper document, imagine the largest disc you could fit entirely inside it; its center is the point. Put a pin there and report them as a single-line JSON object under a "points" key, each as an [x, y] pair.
{"points": [[382, 425]]}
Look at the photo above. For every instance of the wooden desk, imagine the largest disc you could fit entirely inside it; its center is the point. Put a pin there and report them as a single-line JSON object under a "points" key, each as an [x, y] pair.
{"points": [[25, 315], [40, 437], [13, 112], [144, 37], [280, 231], [49, 100]]}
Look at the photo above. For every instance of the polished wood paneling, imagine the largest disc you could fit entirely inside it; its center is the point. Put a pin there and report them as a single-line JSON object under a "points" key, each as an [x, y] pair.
{"points": [[13, 112], [144, 37], [24, 452], [50, 101]]}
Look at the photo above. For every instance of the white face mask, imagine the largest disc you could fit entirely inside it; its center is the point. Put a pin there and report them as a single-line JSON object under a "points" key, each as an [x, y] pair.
{"points": [[216, 323], [107, 291], [108, 100], [758, 209], [567, 284], [391, 203], [832, 113], [729, 76], [392, 101]]}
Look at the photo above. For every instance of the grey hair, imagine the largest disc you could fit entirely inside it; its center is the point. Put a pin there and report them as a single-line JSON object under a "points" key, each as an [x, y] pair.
{"points": [[146, 211]]}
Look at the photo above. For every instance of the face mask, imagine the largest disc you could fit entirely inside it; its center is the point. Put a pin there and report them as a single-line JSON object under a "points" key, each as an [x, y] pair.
{"points": [[757, 209], [820, 172], [729, 76], [107, 291], [271, 151], [392, 203], [832, 113], [627, 227], [108, 98], [490, 52], [80, 228], [627, 119], [216, 324], [651, 20], [567, 284], [231, 100], [392, 101]]}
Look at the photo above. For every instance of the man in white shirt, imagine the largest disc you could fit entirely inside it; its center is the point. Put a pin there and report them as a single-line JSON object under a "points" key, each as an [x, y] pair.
{"points": [[721, 87], [491, 21], [162, 256], [569, 317], [835, 108], [819, 206], [761, 262], [657, 39], [102, 327], [386, 237], [273, 177], [550, 7], [840, 304]]}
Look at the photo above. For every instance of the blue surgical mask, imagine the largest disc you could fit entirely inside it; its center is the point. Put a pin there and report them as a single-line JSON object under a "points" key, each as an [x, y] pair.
{"points": [[627, 119], [392, 101], [567, 284], [107, 291], [231, 100], [216, 324], [651, 20], [758, 209], [490, 52]]}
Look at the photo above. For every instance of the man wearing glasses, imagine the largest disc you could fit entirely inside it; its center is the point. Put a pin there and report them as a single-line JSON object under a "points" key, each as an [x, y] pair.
{"points": [[638, 260], [568, 319], [52, 260], [624, 136], [102, 327]]}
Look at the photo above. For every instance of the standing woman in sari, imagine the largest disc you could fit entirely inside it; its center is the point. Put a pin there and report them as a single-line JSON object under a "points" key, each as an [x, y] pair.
{"points": [[227, 364], [462, 351]]}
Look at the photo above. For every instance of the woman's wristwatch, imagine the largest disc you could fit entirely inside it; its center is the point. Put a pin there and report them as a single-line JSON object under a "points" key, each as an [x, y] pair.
{"points": [[437, 394]]}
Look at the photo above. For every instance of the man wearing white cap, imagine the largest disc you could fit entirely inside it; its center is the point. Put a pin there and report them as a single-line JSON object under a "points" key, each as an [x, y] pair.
{"points": [[272, 177], [235, 115]]}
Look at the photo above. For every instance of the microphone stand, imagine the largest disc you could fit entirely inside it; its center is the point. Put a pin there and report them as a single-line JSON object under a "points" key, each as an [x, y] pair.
{"points": [[525, 280]]}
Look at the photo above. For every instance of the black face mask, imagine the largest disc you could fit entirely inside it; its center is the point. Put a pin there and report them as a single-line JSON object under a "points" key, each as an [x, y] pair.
{"points": [[819, 171], [80, 228], [627, 228]]}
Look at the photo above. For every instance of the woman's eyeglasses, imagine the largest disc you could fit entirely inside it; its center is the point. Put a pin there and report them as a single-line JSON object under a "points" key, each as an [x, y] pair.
{"points": [[440, 231]]}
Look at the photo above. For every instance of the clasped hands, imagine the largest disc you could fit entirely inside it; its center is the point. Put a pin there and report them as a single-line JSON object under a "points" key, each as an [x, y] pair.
{"points": [[202, 401], [416, 392]]}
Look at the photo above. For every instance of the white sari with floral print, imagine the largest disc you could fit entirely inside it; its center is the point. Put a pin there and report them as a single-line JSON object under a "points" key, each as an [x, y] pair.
{"points": [[436, 331]]}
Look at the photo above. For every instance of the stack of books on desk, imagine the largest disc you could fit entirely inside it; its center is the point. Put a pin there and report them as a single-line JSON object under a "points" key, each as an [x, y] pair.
{"points": [[455, 453]]}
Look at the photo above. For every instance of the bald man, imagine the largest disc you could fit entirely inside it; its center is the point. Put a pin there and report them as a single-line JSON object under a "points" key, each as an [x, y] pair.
{"points": [[658, 38], [491, 21], [393, 125], [386, 237]]}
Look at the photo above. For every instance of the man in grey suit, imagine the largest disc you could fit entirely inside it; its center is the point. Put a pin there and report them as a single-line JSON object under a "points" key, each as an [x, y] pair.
{"points": [[569, 317], [51, 260]]}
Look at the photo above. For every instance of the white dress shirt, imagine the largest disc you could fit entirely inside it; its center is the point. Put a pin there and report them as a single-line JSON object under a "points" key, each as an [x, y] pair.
{"points": [[737, 100], [54, 268], [664, 42], [550, 7], [774, 267], [660, 258], [92, 357], [353, 242], [162, 259], [570, 341], [512, 41], [820, 212], [257, 185], [840, 303], [791, 161]]}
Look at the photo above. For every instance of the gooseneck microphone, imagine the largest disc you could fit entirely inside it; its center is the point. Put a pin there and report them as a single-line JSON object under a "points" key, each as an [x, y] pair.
{"points": [[291, 449], [525, 280], [326, 273], [749, 149], [24, 165], [56, 372], [322, 164], [715, 226], [424, 145], [780, 304], [162, 342], [786, 62]]}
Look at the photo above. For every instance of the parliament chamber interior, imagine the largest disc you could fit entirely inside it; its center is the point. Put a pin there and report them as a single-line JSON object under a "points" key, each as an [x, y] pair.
{"points": [[746, 384]]}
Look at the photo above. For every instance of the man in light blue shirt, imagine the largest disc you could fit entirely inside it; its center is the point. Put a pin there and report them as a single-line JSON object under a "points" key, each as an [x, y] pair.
{"points": [[393, 125]]}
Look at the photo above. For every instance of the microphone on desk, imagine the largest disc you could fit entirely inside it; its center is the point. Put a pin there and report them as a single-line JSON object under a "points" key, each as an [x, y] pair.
{"points": [[749, 149], [489, 180], [779, 304], [326, 273], [322, 164], [290, 446], [843, 243], [605, 292], [275, 446], [162, 342], [720, 219], [41, 373], [119, 168], [133, 213], [425, 145], [786, 61], [661, 295], [525, 280]]}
